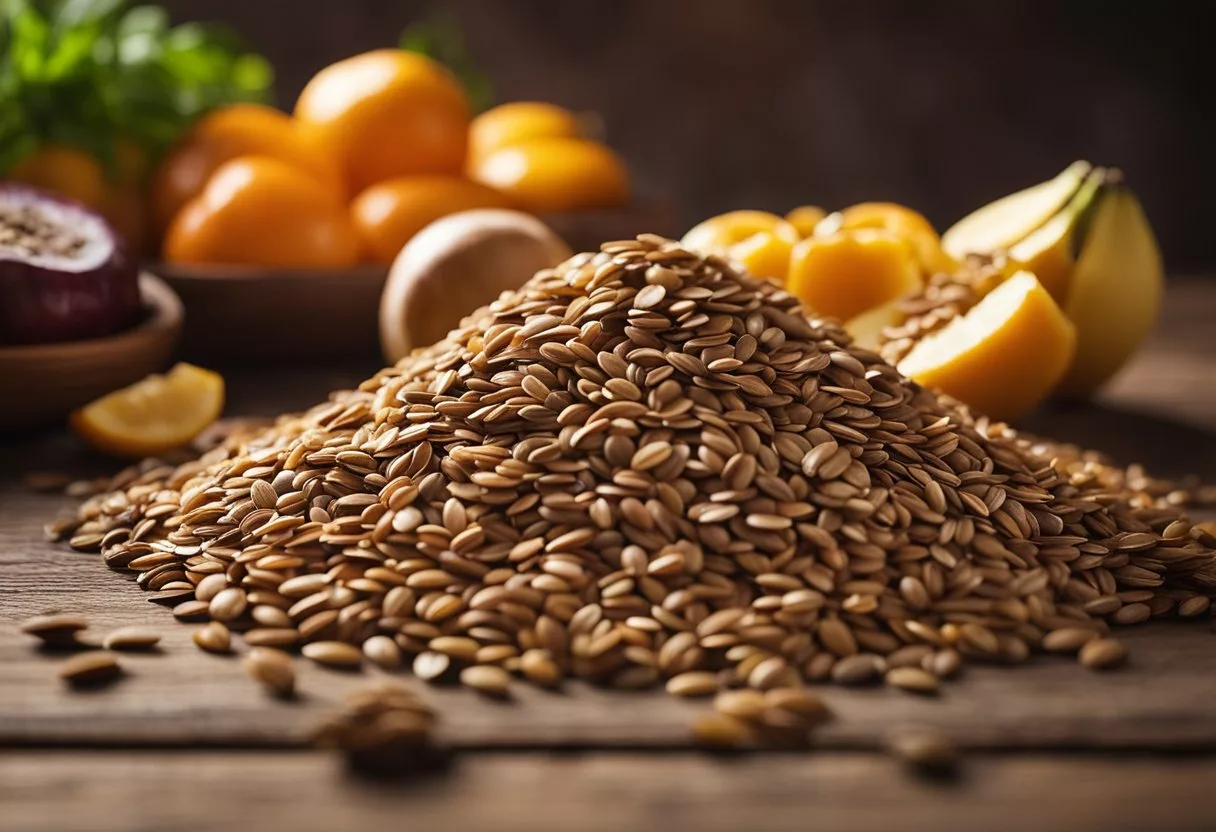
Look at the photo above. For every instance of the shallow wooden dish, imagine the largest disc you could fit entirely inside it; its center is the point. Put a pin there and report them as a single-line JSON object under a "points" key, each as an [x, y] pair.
{"points": [[42, 383], [246, 314]]}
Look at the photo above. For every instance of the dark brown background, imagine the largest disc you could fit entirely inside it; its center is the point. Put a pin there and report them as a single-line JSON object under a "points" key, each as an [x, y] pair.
{"points": [[942, 104]]}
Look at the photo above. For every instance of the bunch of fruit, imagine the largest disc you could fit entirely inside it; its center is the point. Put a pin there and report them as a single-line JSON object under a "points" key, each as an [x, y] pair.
{"points": [[379, 146], [1049, 290]]}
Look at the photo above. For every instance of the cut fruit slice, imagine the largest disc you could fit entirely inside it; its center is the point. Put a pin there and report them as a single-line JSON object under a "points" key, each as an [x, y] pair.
{"points": [[901, 221], [1004, 356], [1050, 251], [760, 240], [154, 415], [845, 274], [998, 225], [867, 327]]}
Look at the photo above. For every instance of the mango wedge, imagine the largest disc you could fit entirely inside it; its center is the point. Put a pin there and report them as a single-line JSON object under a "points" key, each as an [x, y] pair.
{"points": [[1004, 356]]}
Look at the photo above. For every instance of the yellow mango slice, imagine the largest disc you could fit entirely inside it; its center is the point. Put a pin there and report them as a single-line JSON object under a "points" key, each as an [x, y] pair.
{"points": [[761, 241], [850, 272], [1004, 356]]}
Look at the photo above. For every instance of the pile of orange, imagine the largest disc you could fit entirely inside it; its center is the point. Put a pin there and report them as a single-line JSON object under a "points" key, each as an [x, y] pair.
{"points": [[379, 145]]}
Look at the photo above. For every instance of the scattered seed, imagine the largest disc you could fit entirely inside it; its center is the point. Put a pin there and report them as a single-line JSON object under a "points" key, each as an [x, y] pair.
{"points": [[693, 683], [924, 750], [430, 666], [131, 638], [860, 669], [57, 630], [95, 667], [912, 679], [1068, 639], [382, 651], [333, 654], [272, 668], [213, 637], [721, 731], [487, 679], [1102, 654]]}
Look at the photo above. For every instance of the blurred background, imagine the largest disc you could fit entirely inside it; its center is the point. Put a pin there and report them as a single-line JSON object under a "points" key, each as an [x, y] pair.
{"points": [[943, 105]]}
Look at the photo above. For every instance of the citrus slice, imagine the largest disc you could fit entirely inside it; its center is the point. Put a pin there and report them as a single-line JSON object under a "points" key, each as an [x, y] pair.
{"points": [[759, 240], [154, 415], [850, 272], [1002, 357]]}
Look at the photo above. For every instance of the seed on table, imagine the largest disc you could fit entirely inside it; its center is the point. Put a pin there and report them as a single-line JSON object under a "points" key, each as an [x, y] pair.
{"points": [[914, 655], [913, 679], [430, 666], [383, 651], [860, 669], [211, 586], [1068, 639], [720, 731], [925, 750], [273, 669], [131, 638], [944, 664], [458, 647], [744, 704], [539, 668], [192, 611], [171, 597], [96, 667], [693, 683], [228, 604], [271, 637], [1196, 606], [809, 709], [333, 654], [269, 616], [57, 630], [213, 637], [487, 679], [1102, 654]]}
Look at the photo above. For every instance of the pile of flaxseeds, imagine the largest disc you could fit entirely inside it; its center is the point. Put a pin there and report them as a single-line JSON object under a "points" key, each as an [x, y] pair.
{"points": [[645, 467]]}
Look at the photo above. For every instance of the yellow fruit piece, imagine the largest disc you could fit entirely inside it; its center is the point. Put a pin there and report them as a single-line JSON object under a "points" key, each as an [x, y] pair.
{"points": [[805, 218], [1115, 291], [901, 221], [519, 121], [551, 175], [761, 241], [850, 272], [154, 415], [1004, 356]]}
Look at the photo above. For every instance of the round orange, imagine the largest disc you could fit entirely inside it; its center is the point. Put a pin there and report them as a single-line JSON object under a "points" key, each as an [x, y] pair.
{"points": [[229, 132], [386, 114], [519, 121], [63, 170], [387, 215], [259, 211], [557, 174]]}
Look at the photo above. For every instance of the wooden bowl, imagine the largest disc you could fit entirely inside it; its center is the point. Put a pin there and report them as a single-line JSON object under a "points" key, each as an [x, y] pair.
{"points": [[256, 315], [42, 383]]}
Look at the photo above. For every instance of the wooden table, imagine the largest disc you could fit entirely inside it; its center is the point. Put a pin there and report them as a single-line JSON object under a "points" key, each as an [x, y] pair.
{"points": [[185, 741]]}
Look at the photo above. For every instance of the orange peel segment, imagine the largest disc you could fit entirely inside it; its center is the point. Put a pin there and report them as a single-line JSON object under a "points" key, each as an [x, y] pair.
{"points": [[154, 415]]}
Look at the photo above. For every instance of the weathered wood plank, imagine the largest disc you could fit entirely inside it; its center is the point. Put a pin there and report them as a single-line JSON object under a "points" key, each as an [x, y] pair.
{"points": [[170, 791]]}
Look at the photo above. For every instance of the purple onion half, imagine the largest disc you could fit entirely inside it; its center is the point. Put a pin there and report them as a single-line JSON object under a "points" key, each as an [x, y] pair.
{"points": [[64, 273]]}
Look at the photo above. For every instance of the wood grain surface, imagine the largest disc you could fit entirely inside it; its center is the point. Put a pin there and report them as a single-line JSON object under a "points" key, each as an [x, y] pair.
{"points": [[1056, 746]]}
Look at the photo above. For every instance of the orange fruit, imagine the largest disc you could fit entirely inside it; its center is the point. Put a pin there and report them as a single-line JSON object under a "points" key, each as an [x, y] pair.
{"points": [[259, 211], [154, 415], [805, 218], [229, 132], [1004, 355], [66, 171], [519, 121], [761, 241], [901, 221], [386, 114], [847, 273], [387, 215], [556, 174]]}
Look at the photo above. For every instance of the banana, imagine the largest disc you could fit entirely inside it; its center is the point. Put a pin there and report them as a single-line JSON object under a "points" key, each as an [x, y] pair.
{"points": [[1114, 293]]}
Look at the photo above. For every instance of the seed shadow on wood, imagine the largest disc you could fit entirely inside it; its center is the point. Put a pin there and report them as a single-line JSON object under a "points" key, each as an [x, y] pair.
{"points": [[1166, 447]]}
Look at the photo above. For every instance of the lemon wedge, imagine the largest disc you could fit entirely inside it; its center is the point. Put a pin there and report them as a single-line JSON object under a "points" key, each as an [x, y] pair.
{"points": [[154, 415], [1004, 355]]}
